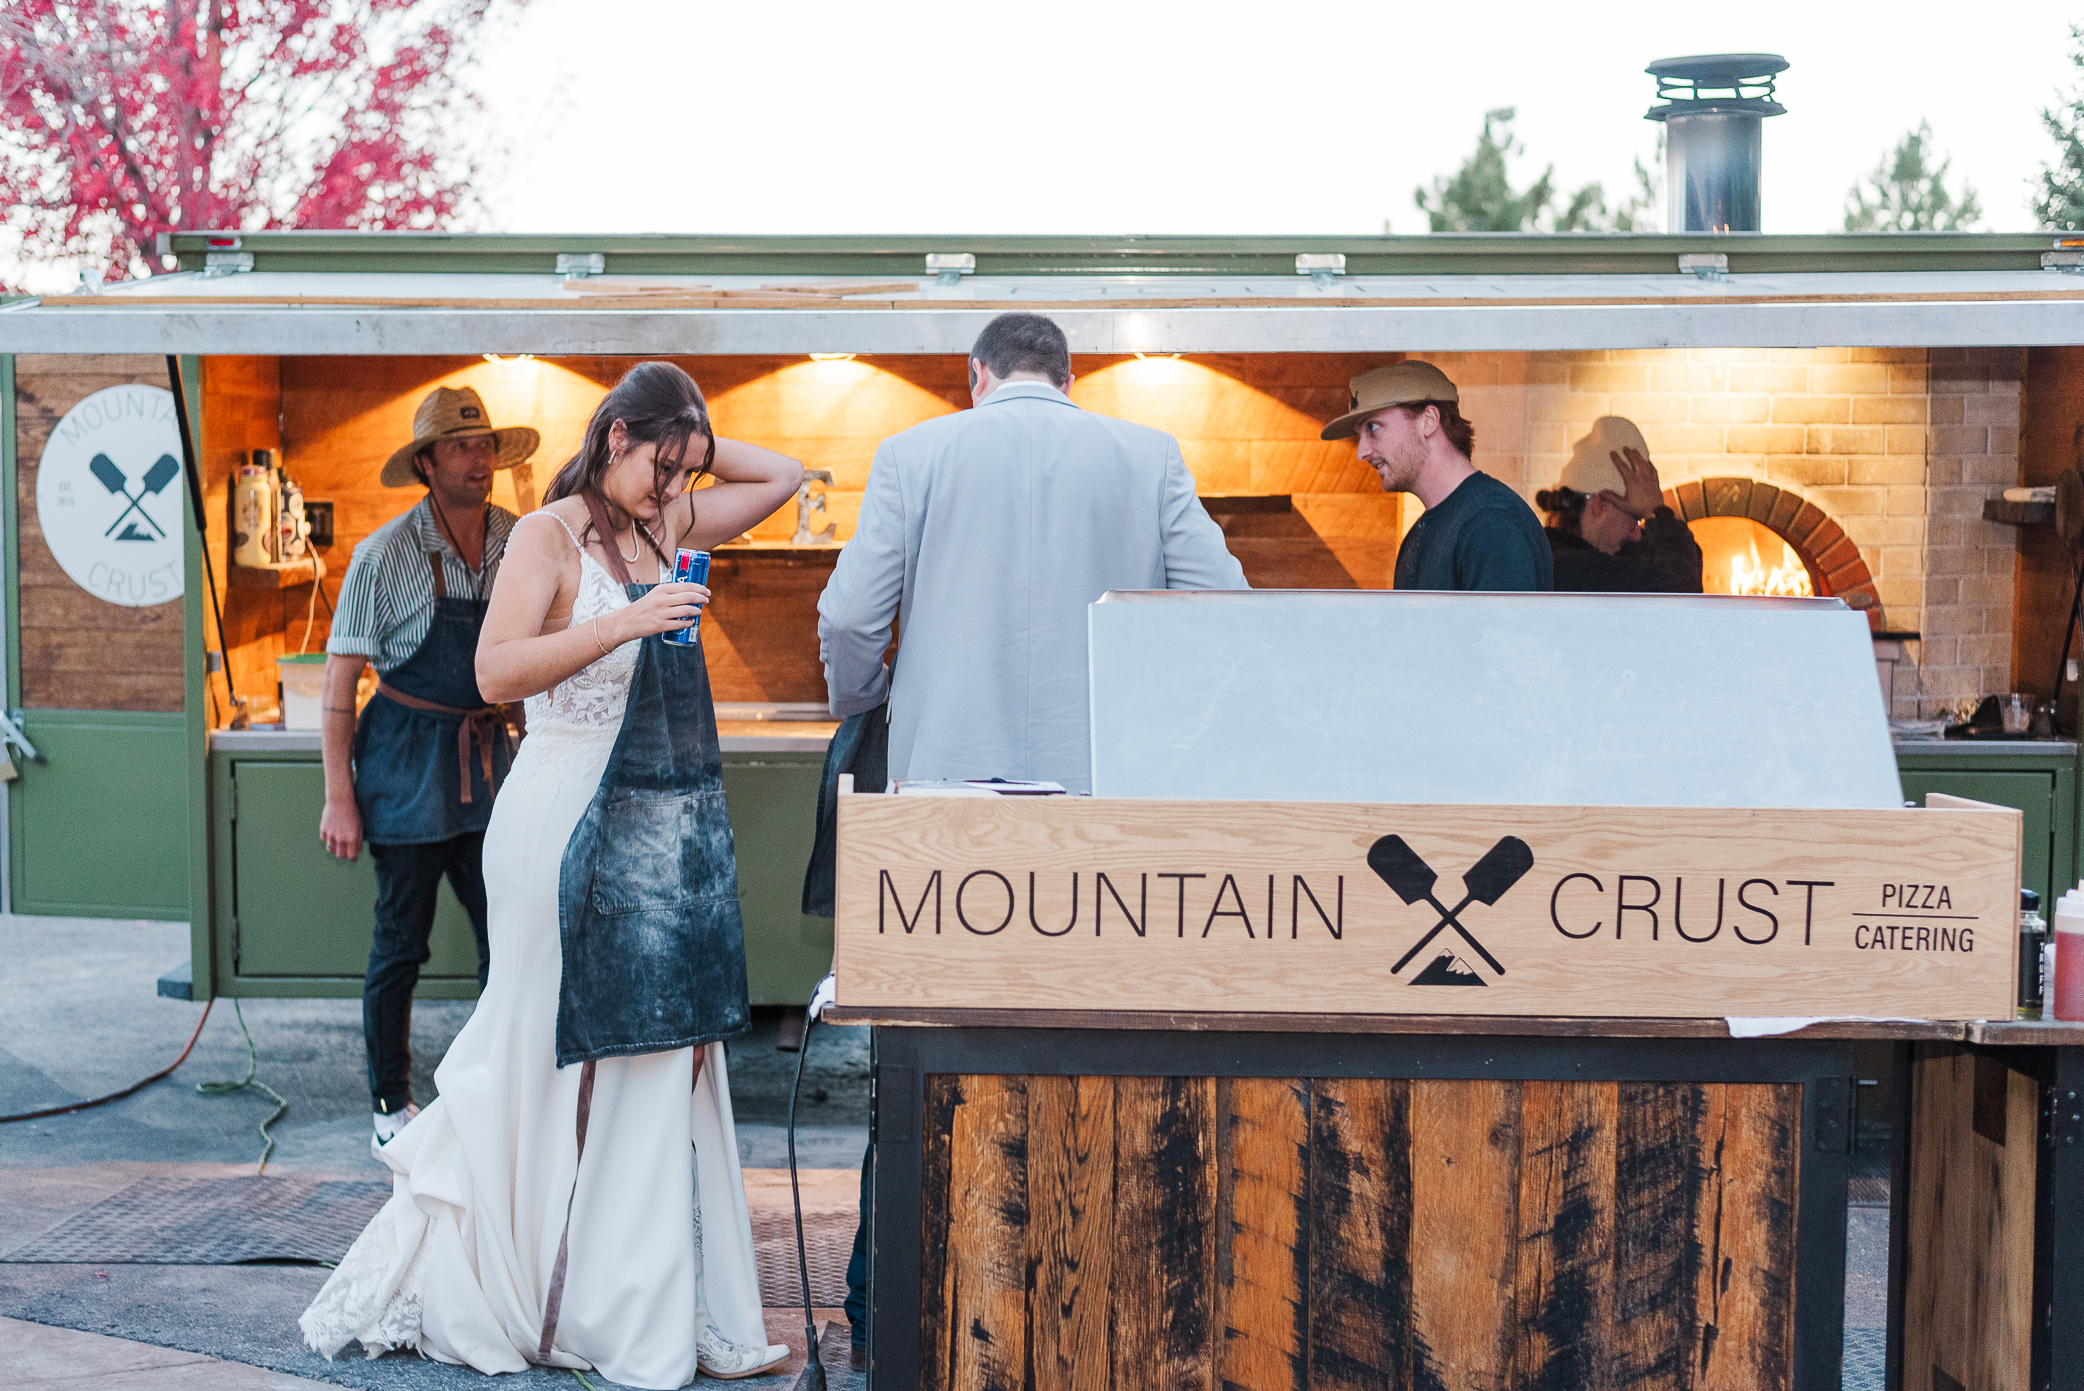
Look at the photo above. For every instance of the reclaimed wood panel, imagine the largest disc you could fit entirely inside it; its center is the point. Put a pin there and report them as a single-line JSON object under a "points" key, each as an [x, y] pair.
{"points": [[1276, 1234], [1746, 1288], [1804, 889], [1262, 1288], [1465, 1155], [984, 1289], [1071, 1170], [79, 652], [1563, 1299], [1165, 1234], [1968, 1300], [1360, 1279]]}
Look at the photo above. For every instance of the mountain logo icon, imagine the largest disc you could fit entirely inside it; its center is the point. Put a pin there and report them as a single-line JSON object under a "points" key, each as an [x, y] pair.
{"points": [[1487, 881], [1449, 969]]}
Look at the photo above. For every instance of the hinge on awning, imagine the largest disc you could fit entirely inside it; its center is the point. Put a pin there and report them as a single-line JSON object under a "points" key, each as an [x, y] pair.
{"points": [[949, 267], [1323, 267], [1706, 265], [226, 262], [2064, 260], [574, 265]]}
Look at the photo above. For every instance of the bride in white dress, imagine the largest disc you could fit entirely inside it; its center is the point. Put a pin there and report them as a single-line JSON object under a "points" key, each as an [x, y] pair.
{"points": [[501, 1248]]}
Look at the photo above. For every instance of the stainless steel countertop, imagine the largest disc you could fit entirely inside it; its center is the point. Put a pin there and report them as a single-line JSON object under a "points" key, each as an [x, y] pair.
{"points": [[733, 736], [1987, 748]]}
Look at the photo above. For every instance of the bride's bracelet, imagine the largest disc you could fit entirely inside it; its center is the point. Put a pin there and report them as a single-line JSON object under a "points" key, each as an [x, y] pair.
{"points": [[597, 637]]}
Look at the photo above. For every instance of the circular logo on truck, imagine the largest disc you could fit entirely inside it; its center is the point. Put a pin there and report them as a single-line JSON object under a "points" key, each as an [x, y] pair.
{"points": [[108, 495]]}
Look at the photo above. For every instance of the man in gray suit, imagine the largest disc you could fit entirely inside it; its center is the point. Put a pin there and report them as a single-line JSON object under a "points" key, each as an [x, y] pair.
{"points": [[990, 531]]}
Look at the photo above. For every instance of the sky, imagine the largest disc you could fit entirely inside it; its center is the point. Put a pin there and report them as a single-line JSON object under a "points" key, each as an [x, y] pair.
{"points": [[1134, 116]]}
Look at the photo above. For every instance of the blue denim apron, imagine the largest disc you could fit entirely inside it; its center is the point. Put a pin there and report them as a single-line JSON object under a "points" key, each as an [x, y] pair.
{"points": [[429, 752], [654, 949]]}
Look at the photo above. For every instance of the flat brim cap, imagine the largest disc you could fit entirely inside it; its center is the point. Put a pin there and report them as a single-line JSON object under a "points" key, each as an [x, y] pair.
{"points": [[1399, 384], [454, 413]]}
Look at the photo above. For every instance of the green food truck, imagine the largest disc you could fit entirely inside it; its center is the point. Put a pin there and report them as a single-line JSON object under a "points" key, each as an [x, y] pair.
{"points": [[1835, 415]]}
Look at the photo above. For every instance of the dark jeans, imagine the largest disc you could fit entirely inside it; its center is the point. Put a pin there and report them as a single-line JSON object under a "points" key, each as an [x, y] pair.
{"points": [[407, 879], [857, 1264]]}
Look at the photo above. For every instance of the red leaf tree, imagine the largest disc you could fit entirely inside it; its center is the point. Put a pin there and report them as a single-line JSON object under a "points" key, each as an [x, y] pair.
{"points": [[122, 119]]}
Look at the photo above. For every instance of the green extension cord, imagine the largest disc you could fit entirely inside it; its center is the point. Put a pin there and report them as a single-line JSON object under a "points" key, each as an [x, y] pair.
{"points": [[227, 1088]]}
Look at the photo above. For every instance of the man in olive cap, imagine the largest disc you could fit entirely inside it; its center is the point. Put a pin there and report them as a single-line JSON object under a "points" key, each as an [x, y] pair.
{"points": [[414, 777], [1476, 532]]}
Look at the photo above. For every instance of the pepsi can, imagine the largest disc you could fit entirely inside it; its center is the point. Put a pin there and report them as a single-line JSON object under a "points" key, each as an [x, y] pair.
{"points": [[689, 567]]}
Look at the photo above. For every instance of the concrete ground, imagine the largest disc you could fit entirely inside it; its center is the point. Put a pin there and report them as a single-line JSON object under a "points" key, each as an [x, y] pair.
{"points": [[80, 1017]]}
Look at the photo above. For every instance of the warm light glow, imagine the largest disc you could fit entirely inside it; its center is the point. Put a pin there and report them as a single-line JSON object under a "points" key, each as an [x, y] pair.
{"points": [[831, 357], [1146, 357], [1787, 580], [497, 360]]}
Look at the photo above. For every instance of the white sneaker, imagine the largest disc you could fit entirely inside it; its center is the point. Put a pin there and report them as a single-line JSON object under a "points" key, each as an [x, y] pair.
{"points": [[388, 1124], [719, 1357]]}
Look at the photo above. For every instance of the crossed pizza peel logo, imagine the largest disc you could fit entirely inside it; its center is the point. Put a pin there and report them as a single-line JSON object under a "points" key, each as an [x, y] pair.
{"points": [[1486, 881], [155, 480]]}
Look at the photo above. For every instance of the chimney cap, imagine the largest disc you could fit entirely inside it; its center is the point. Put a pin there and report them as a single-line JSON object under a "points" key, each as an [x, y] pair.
{"points": [[1716, 82]]}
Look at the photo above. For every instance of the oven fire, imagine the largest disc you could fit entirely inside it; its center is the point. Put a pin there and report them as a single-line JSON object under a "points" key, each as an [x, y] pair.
{"points": [[1789, 579]]}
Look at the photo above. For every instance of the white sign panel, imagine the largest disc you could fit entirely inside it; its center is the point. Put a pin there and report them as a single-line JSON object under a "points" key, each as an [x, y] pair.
{"points": [[108, 495]]}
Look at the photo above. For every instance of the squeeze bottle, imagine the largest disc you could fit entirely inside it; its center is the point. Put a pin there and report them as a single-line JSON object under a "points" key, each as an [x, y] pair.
{"points": [[2066, 990]]}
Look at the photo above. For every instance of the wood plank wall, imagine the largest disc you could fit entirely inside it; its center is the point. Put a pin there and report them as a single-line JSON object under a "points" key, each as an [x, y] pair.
{"points": [[1189, 1234], [1247, 424], [2051, 439], [1968, 1301], [79, 652]]}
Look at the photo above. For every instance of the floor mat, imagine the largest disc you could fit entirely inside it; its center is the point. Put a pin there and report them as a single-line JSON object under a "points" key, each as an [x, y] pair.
{"points": [[239, 1221], [225, 1221]]}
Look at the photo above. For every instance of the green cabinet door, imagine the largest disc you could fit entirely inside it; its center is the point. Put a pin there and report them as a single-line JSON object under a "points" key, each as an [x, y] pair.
{"points": [[2031, 792], [301, 912], [774, 807]]}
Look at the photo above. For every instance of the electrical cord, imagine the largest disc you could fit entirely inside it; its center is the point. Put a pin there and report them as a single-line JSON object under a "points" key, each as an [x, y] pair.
{"points": [[227, 1088], [812, 1377], [130, 1090]]}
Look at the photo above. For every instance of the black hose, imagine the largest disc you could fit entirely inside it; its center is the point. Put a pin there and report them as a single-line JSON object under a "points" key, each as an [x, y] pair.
{"points": [[812, 1377]]}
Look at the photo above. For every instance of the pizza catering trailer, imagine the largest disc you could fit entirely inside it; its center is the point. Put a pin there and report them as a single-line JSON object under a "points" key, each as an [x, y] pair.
{"points": [[1842, 409]]}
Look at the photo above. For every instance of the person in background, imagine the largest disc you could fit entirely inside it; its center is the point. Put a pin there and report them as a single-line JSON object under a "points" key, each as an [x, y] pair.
{"points": [[1608, 527], [415, 776], [986, 535], [1476, 533]]}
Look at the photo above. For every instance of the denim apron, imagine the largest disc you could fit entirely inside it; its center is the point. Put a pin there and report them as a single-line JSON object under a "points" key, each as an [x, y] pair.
{"points": [[654, 949], [429, 752]]}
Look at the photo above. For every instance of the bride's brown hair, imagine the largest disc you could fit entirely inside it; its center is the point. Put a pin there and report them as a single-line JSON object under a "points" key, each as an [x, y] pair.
{"points": [[657, 403]]}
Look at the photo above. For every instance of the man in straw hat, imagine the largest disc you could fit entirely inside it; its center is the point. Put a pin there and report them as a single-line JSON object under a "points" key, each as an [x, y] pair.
{"points": [[1476, 533], [1609, 529], [415, 776]]}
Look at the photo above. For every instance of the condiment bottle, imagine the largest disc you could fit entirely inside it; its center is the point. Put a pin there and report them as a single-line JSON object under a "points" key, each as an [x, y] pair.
{"points": [[2065, 995], [2033, 935]]}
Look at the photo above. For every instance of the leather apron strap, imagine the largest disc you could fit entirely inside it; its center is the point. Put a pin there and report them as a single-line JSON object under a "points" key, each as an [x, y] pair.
{"points": [[553, 1302]]}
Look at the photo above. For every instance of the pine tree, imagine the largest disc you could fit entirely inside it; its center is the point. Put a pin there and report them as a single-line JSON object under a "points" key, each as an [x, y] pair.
{"points": [[2060, 200], [1908, 193], [1479, 197]]}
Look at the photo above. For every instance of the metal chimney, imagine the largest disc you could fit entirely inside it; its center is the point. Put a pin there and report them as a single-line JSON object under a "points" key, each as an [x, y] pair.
{"points": [[1713, 104]]}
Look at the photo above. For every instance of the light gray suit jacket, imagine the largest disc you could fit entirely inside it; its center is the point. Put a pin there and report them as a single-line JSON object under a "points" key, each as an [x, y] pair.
{"points": [[990, 531]]}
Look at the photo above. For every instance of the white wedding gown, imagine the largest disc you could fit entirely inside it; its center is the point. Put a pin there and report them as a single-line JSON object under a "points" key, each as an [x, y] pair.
{"points": [[458, 1263]]}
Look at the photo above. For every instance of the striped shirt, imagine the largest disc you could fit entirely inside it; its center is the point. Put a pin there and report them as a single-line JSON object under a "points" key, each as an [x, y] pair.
{"points": [[386, 601]]}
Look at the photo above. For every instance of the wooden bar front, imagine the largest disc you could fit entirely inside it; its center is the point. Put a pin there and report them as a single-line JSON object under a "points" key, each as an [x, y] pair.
{"points": [[1110, 1208]]}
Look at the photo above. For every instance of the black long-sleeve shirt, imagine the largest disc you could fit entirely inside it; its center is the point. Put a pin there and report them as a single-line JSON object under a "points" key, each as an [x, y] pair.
{"points": [[1664, 560]]}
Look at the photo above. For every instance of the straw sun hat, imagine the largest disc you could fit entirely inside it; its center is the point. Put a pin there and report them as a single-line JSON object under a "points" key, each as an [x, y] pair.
{"points": [[451, 413], [1399, 384]]}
